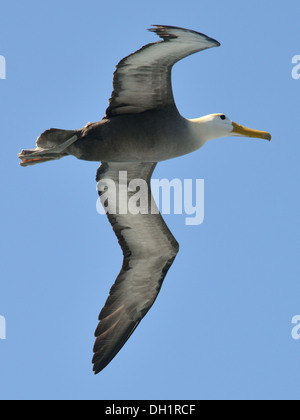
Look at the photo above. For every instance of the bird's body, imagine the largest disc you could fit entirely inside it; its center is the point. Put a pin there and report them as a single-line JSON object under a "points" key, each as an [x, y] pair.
{"points": [[122, 138], [142, 126]]}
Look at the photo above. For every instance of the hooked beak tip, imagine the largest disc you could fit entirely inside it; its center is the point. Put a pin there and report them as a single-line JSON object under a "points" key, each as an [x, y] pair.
{"points": [[239, 130]]}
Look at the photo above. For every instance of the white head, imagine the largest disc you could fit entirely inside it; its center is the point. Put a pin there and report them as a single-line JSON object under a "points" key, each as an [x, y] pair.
{"points": [[214, 126]]}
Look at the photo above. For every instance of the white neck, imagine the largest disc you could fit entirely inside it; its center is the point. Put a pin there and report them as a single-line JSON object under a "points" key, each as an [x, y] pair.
{"points": [[204, 129]]}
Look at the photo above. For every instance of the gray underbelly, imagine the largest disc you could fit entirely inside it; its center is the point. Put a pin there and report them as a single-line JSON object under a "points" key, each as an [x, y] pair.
{"points": [[132, 139]]}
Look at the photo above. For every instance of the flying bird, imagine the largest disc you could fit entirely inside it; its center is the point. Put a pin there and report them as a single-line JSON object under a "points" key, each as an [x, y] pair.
{"points": [[142, 126]]}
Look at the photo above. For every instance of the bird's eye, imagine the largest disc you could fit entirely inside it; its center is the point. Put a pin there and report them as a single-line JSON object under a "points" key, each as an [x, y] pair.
{"points": [[223, 117]]}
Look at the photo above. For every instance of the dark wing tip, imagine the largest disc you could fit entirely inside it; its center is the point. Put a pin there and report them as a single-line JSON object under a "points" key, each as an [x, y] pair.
{"points": [[168, 32], [163, 31], [109, 343]]}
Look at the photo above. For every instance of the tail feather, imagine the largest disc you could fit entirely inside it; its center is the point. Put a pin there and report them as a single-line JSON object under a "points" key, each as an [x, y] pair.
{"points": [[51, 145], [54, 137]]}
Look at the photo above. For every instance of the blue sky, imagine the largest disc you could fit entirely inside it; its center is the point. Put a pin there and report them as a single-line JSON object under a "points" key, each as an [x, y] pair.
{"points": [[221, 326]]}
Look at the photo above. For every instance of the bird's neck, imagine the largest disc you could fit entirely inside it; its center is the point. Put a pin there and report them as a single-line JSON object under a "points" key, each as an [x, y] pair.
{"points": [[202, 130]]}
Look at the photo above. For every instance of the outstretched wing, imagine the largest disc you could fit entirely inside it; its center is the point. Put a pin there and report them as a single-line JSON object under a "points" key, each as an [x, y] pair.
{"points": [[142, 81], [149, 250]]}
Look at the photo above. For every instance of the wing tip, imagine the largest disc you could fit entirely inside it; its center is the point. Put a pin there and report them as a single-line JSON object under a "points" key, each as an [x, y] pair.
{"points": [[97, 369], [100, 362], [164, 32]]}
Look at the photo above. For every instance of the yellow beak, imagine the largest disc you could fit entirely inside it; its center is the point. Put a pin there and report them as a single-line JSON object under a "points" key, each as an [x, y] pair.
{"points": [[239, 130]]}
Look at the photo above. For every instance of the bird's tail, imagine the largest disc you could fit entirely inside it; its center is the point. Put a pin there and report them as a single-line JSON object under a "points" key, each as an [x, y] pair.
{"points": [[51, 145]]}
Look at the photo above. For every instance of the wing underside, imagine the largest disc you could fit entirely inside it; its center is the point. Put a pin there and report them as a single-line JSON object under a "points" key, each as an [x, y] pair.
{"points": [[142, 81], [149, 250]]}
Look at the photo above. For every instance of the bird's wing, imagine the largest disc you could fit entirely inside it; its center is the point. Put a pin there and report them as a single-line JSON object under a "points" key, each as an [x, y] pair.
{"points": [[142, 81], [148, 247]]}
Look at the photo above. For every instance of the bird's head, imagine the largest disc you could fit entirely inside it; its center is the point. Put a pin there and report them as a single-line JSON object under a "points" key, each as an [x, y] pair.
{"points": [[219, 125]]}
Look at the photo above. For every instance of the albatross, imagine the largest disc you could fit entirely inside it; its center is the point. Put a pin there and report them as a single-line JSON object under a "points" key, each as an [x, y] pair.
{"points": [[142, 126]]}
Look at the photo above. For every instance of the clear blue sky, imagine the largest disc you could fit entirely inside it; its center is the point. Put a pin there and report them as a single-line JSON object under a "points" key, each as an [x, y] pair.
{"points": [[221, 326]]}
